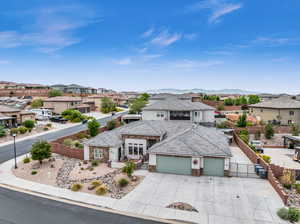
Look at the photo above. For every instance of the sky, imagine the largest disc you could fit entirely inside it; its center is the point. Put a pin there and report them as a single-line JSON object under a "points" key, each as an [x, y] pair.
{"points": [[140, 45]]}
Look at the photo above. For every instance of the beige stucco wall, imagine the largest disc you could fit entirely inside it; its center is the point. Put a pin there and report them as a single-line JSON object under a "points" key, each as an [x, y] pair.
{"points": [[59, 107], [267, 114]]}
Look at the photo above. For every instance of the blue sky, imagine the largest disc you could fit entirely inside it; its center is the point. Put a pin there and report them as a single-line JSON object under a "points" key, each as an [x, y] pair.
{"points": [[139, 45]]}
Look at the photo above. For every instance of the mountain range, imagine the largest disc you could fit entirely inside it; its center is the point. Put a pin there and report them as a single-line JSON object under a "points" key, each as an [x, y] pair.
{"points": [[206, 91]]}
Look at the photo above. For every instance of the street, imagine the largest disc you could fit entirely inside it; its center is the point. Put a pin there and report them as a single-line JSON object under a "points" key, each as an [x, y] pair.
{"points": [[20, 208]]}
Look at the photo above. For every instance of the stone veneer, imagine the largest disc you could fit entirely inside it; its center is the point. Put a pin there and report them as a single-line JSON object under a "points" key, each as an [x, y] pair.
{"points": [[105, 151]]}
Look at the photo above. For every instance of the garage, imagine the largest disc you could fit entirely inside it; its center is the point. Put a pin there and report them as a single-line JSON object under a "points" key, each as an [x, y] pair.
{"points": [[172, 164], [213, 167]]}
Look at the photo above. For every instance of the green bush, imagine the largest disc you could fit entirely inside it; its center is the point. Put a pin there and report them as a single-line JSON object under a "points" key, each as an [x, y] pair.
{"points": [[287, 186], [242, 122], [14, 131], [93, 127], [26, 160], [73, 115], [129, 168], [283, 213], [40, 150], [244, 132], [293, 214], [95, 163], [245, 138], [45, 129], [2, 131], [269, 131], [76, 187], [30, 124], [22, 130], [37, 103], [96, 183], [111, 125], [68, 142], [33, 172], [297, 188], [102, 190], [54, 93], [123, 182], [49, 125], [266, 158]]}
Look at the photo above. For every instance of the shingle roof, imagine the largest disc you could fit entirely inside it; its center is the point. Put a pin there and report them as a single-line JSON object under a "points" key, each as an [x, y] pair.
{"points": [[63, 99], [178, 105], [280, 103], [6, 109], [195, 141], [141, 128]]}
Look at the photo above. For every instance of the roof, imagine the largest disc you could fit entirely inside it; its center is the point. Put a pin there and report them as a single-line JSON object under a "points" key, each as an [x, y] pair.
{"points": [[63, 99], [178, 105], [4, 117], [163, 96], [7, 109], [140, 128], [195, 141], [279, 103]]}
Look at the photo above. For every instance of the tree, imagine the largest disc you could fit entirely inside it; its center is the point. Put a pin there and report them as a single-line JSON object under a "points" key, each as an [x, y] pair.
{"points": [[221, 107], [237, 102], [137, 106], [29, 124], [229, 102], [253, 99], [244, 100], [73, 115], [242, 122], [40, 150], [37, 103], [2, 131], [107, 105], [111, 124], [54, 93], [145, 97], [129, 168], [269, 131], [295, 130], [93, 127]]}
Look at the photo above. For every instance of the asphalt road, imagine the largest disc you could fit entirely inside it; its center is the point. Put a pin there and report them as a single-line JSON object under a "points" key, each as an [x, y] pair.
{"points": [[6, 152], [20, 208]]}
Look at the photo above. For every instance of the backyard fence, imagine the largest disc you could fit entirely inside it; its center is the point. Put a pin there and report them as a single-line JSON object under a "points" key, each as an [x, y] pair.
{"points": [[242, 170]]}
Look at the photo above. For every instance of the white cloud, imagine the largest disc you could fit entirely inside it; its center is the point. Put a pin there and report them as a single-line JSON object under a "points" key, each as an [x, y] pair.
{"points": [[2, 62], [272, 41], [165, 38], [218, 8], [10, 39], [194, 64], [124, 61], [151, 56], [148, 33], [191, 36]]}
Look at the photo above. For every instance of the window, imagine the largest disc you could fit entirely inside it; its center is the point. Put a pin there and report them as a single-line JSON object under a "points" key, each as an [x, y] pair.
{"points": [[98, 154], [135, 149], [160, 114], [292, 113], [141, 149], [130, 149], [196, 114], [290, 122]]}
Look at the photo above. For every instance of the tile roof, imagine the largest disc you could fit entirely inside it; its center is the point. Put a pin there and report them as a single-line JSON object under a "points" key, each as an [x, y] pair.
{"points": [[195, 141], [177, 105], [279, 103], [63, 99]]}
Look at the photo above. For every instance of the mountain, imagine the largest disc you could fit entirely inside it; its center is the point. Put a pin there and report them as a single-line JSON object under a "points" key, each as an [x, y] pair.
{"points": [[221, 91]]}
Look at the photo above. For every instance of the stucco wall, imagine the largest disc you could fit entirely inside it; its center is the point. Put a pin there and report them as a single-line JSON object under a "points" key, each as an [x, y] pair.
{"points": [[152, 115]]}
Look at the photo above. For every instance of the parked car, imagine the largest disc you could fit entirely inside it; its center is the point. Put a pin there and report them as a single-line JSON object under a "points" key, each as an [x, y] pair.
{"points": [[258, 145], [58, 119]]}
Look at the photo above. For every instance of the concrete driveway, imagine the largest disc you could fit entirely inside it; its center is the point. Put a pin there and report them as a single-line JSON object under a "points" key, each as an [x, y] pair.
{"points": [[282, 157], [218, 199]]}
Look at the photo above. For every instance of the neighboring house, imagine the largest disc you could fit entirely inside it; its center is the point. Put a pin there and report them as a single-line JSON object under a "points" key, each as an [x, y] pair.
{"points": [[97, 99], [13, 116], [128, 118], [168, 96], [283, 110], [74, 89], [175, 109], [61, 103], [173, 147], [41, 113]]}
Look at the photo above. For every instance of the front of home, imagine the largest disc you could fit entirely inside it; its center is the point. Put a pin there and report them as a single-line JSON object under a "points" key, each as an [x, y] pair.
{"points": [[154, 142], [174, 109]]}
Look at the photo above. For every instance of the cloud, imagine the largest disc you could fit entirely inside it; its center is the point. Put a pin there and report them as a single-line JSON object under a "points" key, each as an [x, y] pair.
{"points": [[151, 56], [165, 38], [124, 61], [272, 41], [54, 28], [195, 64], [3, 62], [191, 36], [148, 33], [217, 8]]}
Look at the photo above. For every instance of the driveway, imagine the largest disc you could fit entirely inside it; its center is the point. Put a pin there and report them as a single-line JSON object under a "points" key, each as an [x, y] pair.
{"points": [[218, 199], [282, 157], [238, 156]]}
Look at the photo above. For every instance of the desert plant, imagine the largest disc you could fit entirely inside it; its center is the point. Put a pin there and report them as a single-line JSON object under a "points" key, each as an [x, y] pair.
{"points": [[96, 183], [297, 188], [111, 125], [293, 214], [245, 138], [49, 125], [283, 213], [40, 150], [37, 103], [93, 127], [221, 107], [14, 131], [33, 172], [54, 93], [95, 163], [129, 168], [68, 142], [45, 129], [76, 187], [30, 124], [266, 158], [22, 130], [26, 160], [295, 130], [123, 182], [101, 190], [287, 178], [242, 122]]}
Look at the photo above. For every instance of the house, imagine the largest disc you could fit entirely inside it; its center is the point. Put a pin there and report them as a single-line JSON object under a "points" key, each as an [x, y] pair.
{"points": [[176, 109], [284, 111], [170, 146], [61, 103], [168, 96], [74, 89], [11, 116], [41, 113]]}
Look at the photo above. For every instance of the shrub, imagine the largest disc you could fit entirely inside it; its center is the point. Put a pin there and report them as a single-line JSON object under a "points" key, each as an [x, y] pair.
{"points": [[269, 131], [295, 130], [111, 125], [14, 131], [242, 122], [297, 187], [37, 103], [221, 107], [257, 135], [102, 190], [129, 168], [49, 125], [40, 150], [93, 127], [245, 138], [26, 160], [287, 186], [293, 214], [85, 162], [68, 142], [29, 124], [2, 131], [95, 163], [76, 187], [45, 129], [77, 144], [82, 135], [73, 115], [54, 93], [223, 125], [123, 182], [266, 158], [33, 172], [244, 132], [283, 213], [22, 130], [96, 183], [107, 105], [287, 178]]}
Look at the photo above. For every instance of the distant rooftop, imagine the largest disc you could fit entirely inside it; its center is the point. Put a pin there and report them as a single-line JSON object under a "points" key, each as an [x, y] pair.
{"points": [[63, 99], [279, 103]]}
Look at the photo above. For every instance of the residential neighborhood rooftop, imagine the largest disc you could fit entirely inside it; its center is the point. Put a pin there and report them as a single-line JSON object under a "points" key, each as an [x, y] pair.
{"points": [[63, 99], [279, 103]]}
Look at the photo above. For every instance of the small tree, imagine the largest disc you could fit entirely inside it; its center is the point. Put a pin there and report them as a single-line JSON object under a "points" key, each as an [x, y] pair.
{"points": [[242, 122], [269, 131], [40, 150], [2, 131], [93, 127], [129, 168], [229, 102], [144, 97], [111, 125], [221, 107], [295, 130], [54, 93], [29, 124], [137, 106], [253, 99], [37, 103], [107, 105]]}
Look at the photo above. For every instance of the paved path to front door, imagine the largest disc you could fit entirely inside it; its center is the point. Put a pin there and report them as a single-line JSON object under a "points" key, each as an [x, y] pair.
{"points": [[218, 199]]}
